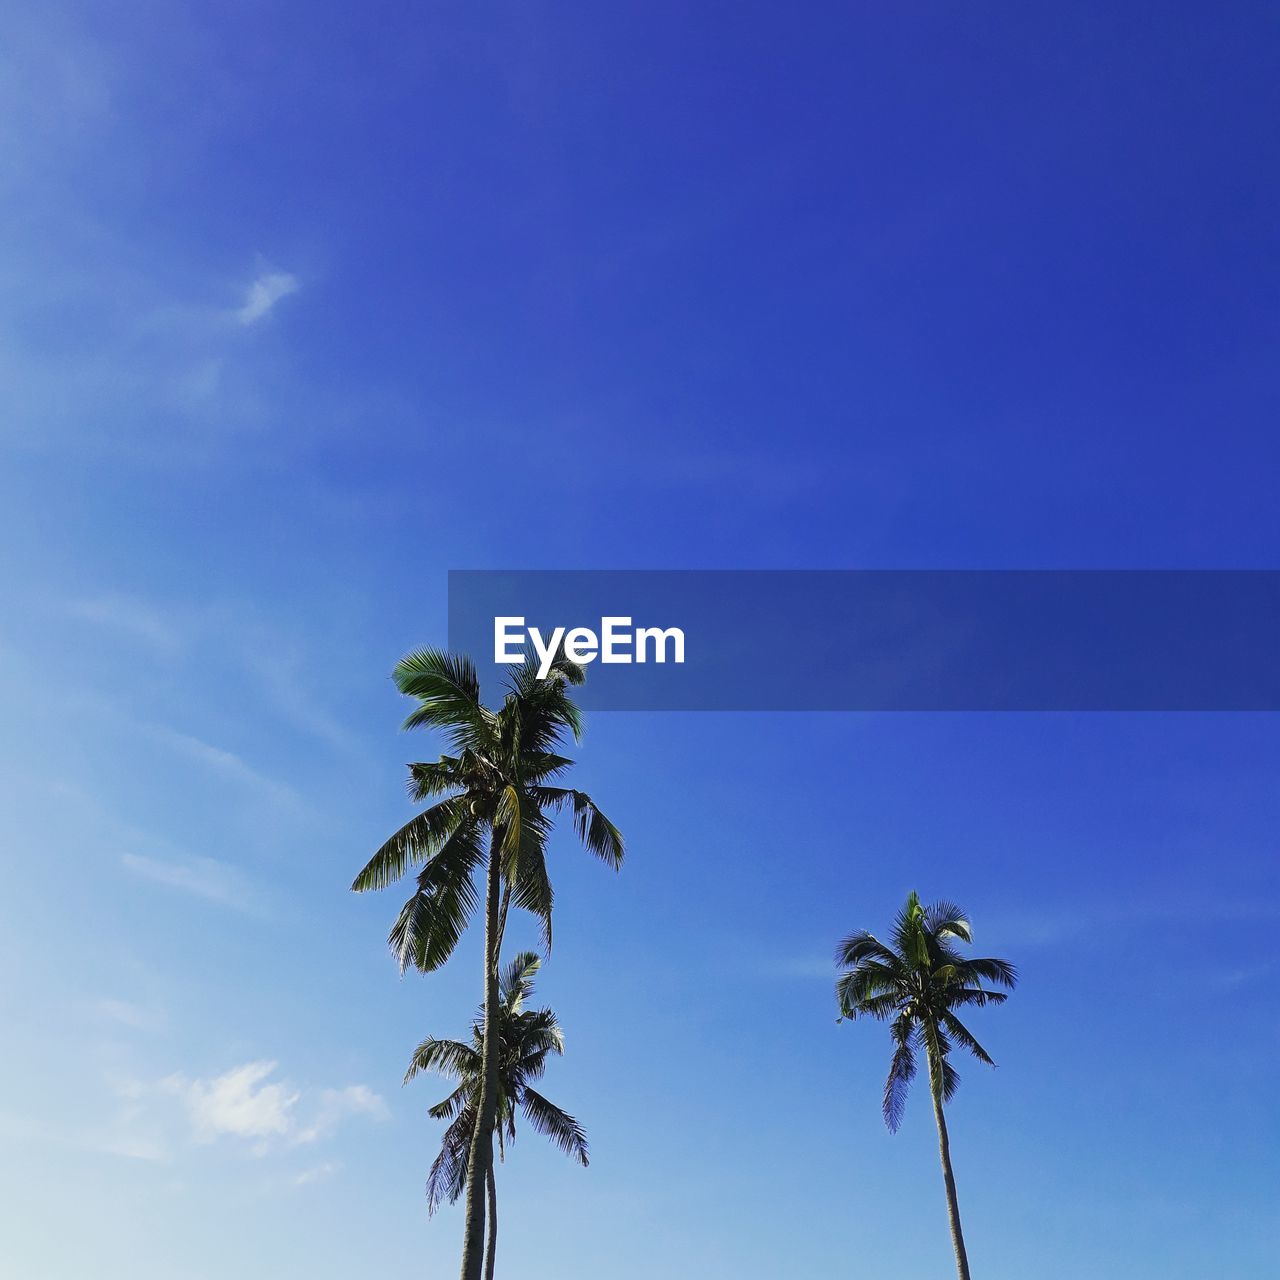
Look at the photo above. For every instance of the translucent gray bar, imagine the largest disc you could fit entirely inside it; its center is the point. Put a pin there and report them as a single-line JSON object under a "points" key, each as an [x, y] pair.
{"points": [[899, 640]]}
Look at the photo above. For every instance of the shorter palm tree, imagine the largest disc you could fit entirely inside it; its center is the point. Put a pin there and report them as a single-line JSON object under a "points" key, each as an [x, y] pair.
{"points": [[918, 980], [525, 1038]]}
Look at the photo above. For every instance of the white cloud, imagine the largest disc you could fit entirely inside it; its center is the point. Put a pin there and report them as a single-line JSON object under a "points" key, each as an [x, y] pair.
{"points": [[203, 877], [247, 1103], [264, 293], [240, 1103], [249, 1109]]}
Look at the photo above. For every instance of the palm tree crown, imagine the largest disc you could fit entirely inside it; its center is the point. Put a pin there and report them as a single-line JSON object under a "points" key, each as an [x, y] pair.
{"points": [[917, 981], [499, 780], [525, 1037]]}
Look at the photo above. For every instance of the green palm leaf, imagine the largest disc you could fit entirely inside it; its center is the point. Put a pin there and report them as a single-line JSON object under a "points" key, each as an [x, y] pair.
{"points": [[902, 1070], [447, 690], [550, 1121], [431, 922], [435, 777], [416, 841], [595, 831], [446, 1057], [448, 1174]]}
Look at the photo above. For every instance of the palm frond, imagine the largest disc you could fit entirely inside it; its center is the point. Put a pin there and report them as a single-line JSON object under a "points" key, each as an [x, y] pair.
{"points": [[902, 1070], [445, 1057], [868, 979], [537, 1037], [963, 1036], [447, 690], [945, 918], [950, 1080], [943, 1077], [910, 938], [538, 766], [448, 1108], [989, 969], [550, 1121], [863, 946], [596, 832], [508, 820], [525, 866], [537, 713], [977, 996], [429, 778], [447, 1178], [515, 984], [431, 922], [415, 842], [880, 1007]]}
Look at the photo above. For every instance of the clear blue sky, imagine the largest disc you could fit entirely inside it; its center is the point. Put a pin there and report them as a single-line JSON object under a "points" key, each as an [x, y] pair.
{"points": [[303, 305]]}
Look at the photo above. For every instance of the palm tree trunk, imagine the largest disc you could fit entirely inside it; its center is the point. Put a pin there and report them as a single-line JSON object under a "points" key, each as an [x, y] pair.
{"points": [[481, 1156], [948, 1178], [492, 1246]]}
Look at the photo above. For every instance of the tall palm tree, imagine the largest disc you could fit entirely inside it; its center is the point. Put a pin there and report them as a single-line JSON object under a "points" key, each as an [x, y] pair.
{"points": [[525, 1038], [917, 981], [495, 818]]}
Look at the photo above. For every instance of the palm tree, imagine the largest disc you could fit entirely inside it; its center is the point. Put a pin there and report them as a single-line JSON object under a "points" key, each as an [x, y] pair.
{"points": [[918, 980], [525, 1038], [495, 816]]}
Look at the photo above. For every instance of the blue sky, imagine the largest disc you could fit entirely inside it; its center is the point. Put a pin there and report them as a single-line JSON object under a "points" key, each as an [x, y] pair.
{"points": [[301, 306]]}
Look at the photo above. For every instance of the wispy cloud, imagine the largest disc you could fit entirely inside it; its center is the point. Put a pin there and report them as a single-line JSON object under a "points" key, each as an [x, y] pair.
{"points": [[55, 86], [279, 672], [128, 615], [1036, 927], [113, 341], [337, 1105], [204, 877], [121, 1137], [801, 968], [202, 632], [141, 371], [317, 1173], [129, 1146], [1231, 979], [264, 293], [223, 762], [125, 1013]]}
